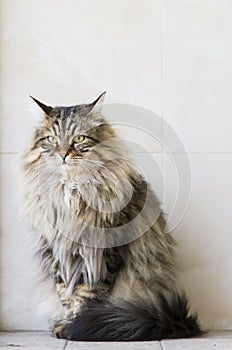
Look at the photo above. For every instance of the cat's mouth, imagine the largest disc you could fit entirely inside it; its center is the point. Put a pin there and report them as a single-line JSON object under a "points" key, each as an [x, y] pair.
{"points": [[69, 165], [70, 162]]}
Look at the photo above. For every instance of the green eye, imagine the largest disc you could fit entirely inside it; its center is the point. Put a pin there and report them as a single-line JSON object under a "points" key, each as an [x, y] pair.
{"points": [[79, 138], [51, 139]]}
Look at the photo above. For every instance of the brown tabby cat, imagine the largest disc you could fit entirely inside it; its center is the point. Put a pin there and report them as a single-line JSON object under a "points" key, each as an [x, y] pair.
{"points": [[100, 232]]}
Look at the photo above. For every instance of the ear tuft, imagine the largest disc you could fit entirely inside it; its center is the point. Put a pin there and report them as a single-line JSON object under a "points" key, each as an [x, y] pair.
{"points": [[47, 109], [100, 99], [96, 106]]}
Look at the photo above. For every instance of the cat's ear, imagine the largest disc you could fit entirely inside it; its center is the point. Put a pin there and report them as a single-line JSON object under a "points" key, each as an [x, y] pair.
{"points": [[100, 99], [96, 106], [47, 109]]}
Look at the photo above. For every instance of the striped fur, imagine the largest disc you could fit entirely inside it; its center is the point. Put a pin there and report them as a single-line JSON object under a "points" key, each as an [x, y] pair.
{"points": [[99, 228]]}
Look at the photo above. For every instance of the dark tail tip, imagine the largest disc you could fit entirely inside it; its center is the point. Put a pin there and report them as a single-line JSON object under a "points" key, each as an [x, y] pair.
{"points": [[178, 321], [117, 320]]}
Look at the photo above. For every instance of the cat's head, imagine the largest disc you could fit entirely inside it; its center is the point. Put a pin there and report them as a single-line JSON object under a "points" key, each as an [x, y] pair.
{"points": [[66, 135]]}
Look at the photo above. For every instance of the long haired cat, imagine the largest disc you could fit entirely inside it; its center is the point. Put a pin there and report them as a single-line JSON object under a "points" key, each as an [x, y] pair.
{"points": [[100, 232]]}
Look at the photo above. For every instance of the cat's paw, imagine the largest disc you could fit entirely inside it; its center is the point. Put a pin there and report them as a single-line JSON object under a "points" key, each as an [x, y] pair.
{"points": [[59, 330]]}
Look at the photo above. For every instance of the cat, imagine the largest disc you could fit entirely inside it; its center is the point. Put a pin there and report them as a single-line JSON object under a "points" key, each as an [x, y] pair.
{"points": [[100, 232]]}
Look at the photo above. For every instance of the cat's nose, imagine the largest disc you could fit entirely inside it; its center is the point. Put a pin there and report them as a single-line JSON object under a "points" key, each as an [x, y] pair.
{"points": [[63, 154]]}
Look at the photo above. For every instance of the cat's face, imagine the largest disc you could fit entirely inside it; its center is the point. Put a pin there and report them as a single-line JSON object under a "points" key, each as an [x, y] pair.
{"points": [[67, 135]]}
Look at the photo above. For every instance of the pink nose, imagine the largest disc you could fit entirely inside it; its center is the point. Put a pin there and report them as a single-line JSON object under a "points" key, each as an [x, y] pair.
{"points": [[63, 155]]}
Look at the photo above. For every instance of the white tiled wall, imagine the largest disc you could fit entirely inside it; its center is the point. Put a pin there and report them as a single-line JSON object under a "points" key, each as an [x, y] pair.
{"points": [[172, 57], [197, 72]]}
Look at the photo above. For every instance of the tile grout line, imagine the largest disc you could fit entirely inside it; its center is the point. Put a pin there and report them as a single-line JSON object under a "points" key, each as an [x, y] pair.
{"points": [[162, 346], [65, 345]]}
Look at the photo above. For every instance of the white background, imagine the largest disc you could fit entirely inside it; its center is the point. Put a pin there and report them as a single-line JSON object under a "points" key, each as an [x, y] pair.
{"points": [[173, 57]]}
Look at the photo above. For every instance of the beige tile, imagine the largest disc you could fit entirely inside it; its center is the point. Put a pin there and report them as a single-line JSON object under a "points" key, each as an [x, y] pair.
{"points": [[153, 345], [206, 224], [222, 341], [43, 340], [204, 236], [22, 306], [197, 72], [140, 128], [30, 340], [72, 54]]}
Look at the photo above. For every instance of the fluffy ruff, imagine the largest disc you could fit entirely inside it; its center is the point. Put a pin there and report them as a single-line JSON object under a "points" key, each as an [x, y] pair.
{"points": [[117, 320]]}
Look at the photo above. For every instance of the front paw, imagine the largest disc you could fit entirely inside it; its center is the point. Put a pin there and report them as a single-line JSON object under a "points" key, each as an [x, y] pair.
{"points": [[59, 330]]}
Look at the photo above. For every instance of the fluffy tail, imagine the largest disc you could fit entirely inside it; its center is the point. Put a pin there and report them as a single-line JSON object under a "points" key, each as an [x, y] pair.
{"points": [[122, 321]]}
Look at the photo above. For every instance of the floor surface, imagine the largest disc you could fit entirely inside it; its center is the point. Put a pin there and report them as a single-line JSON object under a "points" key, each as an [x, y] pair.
{"points": [[44, 341]]}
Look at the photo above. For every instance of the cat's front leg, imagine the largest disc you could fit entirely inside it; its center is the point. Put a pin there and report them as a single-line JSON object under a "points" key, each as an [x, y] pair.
{"points": [[65, 300], [73, 304], [67, 307]]}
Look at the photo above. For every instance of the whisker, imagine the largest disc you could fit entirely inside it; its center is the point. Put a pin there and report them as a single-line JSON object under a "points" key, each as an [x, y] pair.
{"points": [[92, 165]]}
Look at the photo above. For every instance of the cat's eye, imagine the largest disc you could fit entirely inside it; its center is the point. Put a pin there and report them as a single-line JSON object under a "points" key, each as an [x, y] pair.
{"points": [[51, 139], [79, 138]]}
